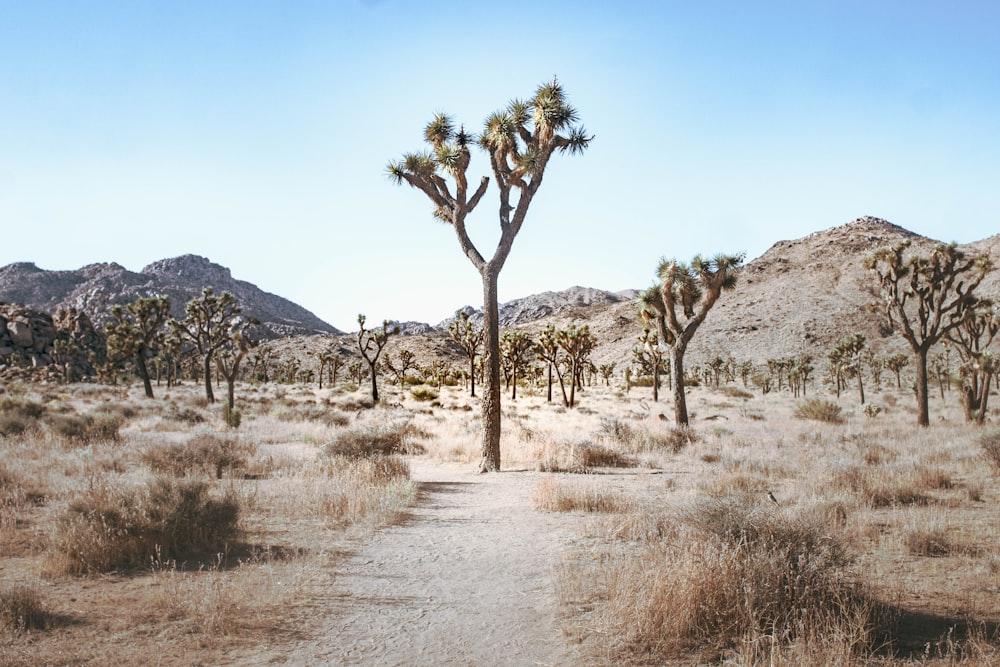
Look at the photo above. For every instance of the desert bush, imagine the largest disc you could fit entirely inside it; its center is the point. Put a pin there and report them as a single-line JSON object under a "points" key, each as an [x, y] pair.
{"points": [[819, 409], [734, 392], [377, 438], [588, 455], [619, 431], [990, 443], [928, 542], [316, 413], [17, 491], [108, 528], [645, 439], [21, 610], [231, 417], [881, 486], [424, 394], [207, 451], [18, 415], [87, 428], [732, 572], [21, 406], [185, 415], [555, 496]]}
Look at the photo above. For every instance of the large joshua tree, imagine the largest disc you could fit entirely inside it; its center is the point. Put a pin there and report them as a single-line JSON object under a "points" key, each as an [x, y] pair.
{"points": [[679, 304], [519, 141], [926, 297]]}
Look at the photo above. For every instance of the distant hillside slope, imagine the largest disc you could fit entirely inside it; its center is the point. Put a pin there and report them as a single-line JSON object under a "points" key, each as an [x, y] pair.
{"points": [[799, 297], [96, 287], [537, 306]]}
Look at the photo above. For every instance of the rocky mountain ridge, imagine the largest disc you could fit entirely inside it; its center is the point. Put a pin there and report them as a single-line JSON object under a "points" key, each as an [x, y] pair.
{"points": [[94, 288]]}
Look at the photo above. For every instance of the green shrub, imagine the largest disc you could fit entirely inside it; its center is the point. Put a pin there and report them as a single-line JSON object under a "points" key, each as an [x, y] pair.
{"points": [[105, 528], [424, 394], [231, 417], [818, 409]]}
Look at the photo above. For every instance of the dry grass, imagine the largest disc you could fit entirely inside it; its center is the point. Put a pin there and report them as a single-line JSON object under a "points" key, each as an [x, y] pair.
{"points": [[554, 495], [681, 560]]}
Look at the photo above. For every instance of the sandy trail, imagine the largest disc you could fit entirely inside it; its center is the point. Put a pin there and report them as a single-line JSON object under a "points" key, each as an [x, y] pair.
{"points": [[466, 579]]}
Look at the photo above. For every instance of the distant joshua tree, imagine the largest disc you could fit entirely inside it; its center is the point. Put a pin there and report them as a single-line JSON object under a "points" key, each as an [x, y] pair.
{"points": [[405, 362], [519, 140], [925, 298], [680, 303], [971, 340], [577, 343], [547, 349], [371, 343], [208, 327], [469, 337], [227, 362], [847, 355], [606, 371], [896, 363], [137, 332], [648, 356], [515, 352]]}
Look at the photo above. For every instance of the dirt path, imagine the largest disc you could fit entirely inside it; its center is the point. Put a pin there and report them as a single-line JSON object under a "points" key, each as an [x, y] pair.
{"points": [[465, 580]]}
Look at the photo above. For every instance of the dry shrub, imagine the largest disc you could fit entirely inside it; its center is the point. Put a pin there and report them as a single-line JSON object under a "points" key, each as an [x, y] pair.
{"points": [[589, 455], [185, 415], [376, 438], [18, 415], [346, 491], [86, 429], [316, 413], [107, 528], [990, 442], [734, 392], [731, 573], [21, 610], [209, 452], [928, 542], [645, 439], [819, 409], [884, 486], [16, 491], [555, 496]]}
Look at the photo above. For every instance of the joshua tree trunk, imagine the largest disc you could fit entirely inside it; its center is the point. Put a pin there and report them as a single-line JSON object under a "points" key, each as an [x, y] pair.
{"points": [[861, 386], [923, 410], [140, 362], [677, 384], [208, 379], [491, 392]]}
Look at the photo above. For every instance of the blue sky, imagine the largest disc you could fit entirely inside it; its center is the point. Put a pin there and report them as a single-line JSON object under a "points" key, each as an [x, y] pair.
{"points": [[257, 134]]}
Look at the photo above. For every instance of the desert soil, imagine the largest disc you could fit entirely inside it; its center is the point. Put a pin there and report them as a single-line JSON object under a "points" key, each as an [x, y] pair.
{"points": [[465, 579]]}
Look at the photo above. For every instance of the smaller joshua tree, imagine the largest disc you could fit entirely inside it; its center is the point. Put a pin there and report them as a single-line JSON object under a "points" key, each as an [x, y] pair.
{"points": [[577, 343], [137, 332], [469, 337], [371, 344], [971, 340], [680, 303], [515, 353]]}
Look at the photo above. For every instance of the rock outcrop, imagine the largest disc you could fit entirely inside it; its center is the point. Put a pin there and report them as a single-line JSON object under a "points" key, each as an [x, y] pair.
{"points": [[94, 288], [37, 345]]}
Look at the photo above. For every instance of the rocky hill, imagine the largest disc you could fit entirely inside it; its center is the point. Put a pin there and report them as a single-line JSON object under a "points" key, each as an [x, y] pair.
{"points": [[538, 306], [93, 289]]}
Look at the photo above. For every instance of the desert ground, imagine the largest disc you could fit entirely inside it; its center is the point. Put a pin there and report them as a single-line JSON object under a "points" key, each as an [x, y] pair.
{"points": [[324, 531]]}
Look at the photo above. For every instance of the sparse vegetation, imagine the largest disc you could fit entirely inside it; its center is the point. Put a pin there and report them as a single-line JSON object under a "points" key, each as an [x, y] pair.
{"points": [[820, 410]]}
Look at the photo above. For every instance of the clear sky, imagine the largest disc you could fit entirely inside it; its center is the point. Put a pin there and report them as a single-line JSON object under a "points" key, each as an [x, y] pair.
{"points": [[257, 134]]}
